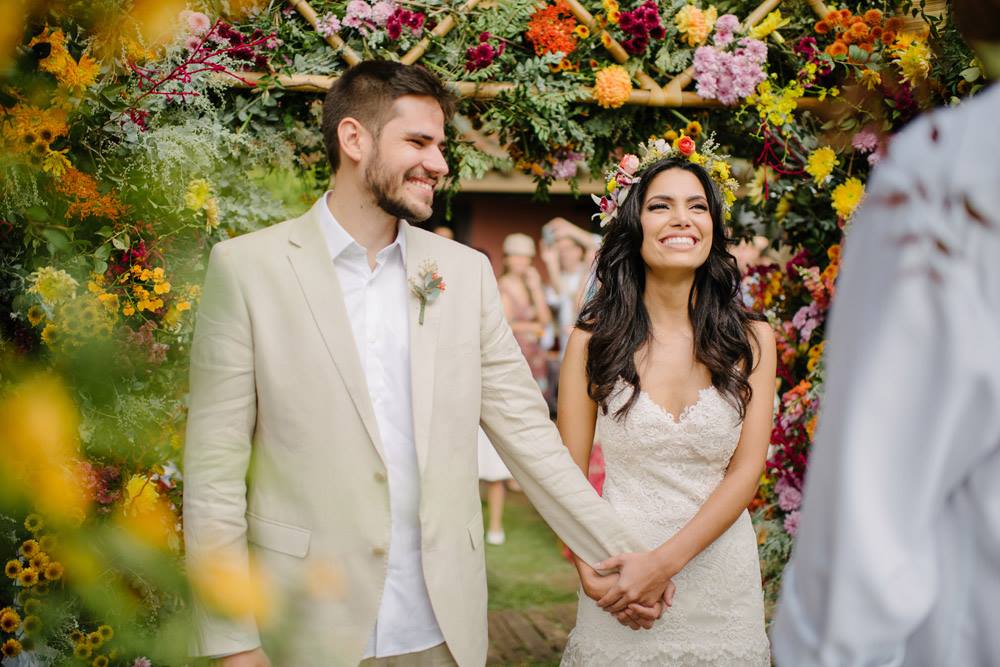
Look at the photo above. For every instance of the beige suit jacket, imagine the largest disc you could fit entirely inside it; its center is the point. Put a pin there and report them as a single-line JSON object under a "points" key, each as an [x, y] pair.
{"points": [[283, 463]]}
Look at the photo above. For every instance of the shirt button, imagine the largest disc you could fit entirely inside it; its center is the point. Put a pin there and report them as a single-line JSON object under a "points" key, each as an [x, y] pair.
{"points": [[378, 551], [380, 476]]}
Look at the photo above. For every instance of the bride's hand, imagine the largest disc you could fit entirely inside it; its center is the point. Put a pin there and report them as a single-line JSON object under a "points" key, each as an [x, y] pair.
{"points": [[643, 578], [596, 585]]}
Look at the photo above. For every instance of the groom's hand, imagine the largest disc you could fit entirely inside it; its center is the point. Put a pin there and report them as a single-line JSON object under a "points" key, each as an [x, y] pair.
{"points": [[254, 658], [596, 585], [642, 579]]}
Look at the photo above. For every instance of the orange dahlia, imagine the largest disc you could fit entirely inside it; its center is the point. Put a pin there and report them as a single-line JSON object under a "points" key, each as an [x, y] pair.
{"points": [[612, 87], [552, 29]]}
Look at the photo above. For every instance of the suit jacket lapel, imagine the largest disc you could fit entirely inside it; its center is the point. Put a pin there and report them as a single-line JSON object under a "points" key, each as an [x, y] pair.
{"points": [[317, 277], [423, 346]]}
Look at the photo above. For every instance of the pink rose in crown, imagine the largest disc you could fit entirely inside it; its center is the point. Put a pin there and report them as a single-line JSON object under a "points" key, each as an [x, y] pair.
{"points": [[629, 164]]}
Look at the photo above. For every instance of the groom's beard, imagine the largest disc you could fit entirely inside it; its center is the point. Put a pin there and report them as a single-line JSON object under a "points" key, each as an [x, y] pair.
{"points": [[384, 190]]}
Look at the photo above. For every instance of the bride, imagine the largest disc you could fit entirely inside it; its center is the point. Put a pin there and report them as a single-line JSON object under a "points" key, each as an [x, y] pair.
{"points": [[678, 379]]}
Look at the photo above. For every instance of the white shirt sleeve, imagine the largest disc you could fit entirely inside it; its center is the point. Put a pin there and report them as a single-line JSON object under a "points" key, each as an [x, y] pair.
{"points": [[909, 411]]}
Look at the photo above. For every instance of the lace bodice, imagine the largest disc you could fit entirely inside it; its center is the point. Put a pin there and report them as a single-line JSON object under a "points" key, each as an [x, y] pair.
{"points": [[660, 471], [663, 467]]}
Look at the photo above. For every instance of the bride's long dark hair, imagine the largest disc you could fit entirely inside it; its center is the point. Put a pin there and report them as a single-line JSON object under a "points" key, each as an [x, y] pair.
{"points": [[619, 324]]}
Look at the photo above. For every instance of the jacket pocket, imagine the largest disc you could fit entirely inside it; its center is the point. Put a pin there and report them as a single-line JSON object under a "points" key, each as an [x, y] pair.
{"points": [[476, 532], [277, 536]]}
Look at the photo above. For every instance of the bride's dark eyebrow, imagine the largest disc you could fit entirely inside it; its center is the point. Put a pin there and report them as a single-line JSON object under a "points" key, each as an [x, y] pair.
{"points": [[669, 199]]}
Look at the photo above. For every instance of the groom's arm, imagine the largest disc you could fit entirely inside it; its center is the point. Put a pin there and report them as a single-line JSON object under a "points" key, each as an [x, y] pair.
{"points": [[516, 419], [221, 417]]}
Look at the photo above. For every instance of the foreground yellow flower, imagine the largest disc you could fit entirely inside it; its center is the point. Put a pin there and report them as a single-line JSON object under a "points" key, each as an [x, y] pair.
{"points": [[847, 196], [914, 62], [10, 620], [820, 163], [695, 24], [227, 585], [612, 87], [10, 648]]}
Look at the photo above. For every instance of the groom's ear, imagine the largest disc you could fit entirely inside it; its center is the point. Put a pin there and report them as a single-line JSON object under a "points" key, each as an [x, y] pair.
{"points": [[354, 139]]}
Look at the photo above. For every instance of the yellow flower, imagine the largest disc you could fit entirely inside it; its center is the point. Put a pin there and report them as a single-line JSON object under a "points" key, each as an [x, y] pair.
{"points": [[582, 31], [30, 548], [140, 495], [183, 305], [47, 542], [32, 624], [106, 632], [28, 577], [95, 640], [32, 606], [52, 285], [76, 636], [211, 214], [820, 163], [128, 310], [12, 569], [35, 315], [772, 22], [670, 136], [100, 661], [33, 523], [612, 87], [56, 163], [693, 129], [720, 170], [870, 79], [50, 335], [762, 175], [776, 107], [83, 650], [697, 158], [198, 192], [612, 185], [10, 620], [613, 17], [606, 40], [53, 571], [914, 62], [695, 24], [161, 288], [159, 274], [847, 196], [10, 648], [783, 207], [39, 561], [80, 75]]}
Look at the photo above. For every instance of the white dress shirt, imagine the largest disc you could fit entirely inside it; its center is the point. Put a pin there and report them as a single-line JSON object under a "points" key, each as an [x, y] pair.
{"points": [[897, 560], [377, 305]]}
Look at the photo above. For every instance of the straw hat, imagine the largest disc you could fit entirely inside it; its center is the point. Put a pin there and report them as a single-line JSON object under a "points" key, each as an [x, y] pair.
{"points": [[519, 244]]}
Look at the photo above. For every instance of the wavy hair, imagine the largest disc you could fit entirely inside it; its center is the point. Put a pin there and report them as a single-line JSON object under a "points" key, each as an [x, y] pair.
{"points": [[619, 324]]}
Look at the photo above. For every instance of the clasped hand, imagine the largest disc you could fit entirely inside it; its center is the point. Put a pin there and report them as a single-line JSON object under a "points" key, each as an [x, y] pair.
{"points": [[637, 594]]}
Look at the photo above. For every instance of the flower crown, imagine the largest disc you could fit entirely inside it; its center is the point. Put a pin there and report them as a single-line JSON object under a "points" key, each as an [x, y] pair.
{"points": [[619, 180]]}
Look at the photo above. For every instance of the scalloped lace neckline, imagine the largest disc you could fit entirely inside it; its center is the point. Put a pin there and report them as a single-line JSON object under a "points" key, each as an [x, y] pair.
{"points": [[685, 413]]}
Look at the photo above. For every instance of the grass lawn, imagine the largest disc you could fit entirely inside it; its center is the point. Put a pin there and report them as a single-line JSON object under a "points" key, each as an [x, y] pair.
{"points": [[529, 570]]}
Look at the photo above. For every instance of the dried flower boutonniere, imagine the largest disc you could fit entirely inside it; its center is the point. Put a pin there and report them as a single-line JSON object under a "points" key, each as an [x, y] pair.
{"points": [[427, 286]]}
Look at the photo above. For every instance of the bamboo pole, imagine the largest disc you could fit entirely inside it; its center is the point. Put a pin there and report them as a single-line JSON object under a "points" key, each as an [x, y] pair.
{"points": [[315, 83], [349, 55], [442, 29], [613, 47]]}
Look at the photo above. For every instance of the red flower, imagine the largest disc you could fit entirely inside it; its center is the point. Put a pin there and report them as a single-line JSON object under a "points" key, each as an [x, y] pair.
{"points": [[685, 145]]}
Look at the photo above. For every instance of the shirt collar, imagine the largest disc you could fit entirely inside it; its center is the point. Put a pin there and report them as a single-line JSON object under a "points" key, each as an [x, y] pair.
{"points": [[338, 240]]}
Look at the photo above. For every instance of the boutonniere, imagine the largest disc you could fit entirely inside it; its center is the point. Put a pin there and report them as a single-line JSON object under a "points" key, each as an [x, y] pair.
{"points": [[427, 286]]}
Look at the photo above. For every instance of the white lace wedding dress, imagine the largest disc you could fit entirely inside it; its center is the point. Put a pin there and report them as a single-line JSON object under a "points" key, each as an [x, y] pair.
{"points": [[660, 471]]}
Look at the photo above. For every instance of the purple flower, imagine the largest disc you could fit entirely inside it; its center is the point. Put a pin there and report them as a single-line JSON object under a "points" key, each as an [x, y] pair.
{"points": [[754, 49], [381, 12], [806, 320], [789, 499], [792, 523], [865, 141], [567, 167], [328, 25], [874, 158], [725, 26], [358, 14]]}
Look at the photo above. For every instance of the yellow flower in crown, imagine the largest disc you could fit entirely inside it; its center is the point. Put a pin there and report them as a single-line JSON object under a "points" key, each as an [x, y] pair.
{"points": [[620, 178]]}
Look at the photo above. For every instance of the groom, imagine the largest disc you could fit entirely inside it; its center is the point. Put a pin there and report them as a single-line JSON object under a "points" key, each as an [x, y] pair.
{"points": [[333, 415]]}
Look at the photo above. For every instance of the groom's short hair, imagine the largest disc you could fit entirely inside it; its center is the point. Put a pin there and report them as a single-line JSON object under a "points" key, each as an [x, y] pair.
{"points": [[366, 93]]}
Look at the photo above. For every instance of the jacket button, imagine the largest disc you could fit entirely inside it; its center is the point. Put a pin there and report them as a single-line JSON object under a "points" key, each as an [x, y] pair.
{"points": [[378, 551], [380, 476]]}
